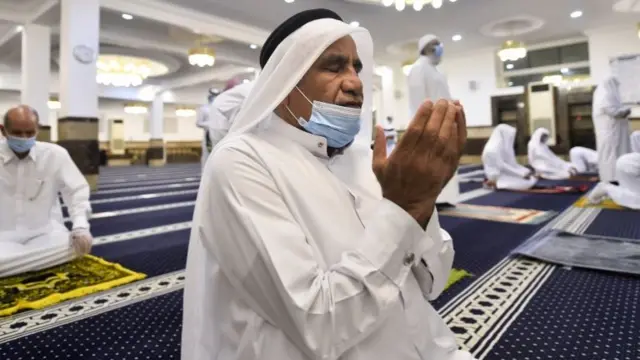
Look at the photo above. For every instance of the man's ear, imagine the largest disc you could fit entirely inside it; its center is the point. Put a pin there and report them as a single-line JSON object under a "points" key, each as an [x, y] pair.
{"points": [[3, 130]]}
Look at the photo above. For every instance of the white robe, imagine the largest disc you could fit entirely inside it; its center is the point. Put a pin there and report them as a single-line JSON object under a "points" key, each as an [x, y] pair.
{"points": [[585, 160], [32, 236], [425, 81], [500, 164], [544, 161], [305, 260], [627, 193], [391, 135], [223, 110], [635, 141], [611, 128]]}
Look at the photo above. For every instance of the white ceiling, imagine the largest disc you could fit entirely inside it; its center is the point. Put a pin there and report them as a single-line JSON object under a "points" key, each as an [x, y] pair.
{"points": [[152, 35]]}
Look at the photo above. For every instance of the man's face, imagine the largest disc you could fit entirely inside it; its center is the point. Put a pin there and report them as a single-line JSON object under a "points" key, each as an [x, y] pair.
{"points": [[544, 138], [20, 125], [333, 78]]}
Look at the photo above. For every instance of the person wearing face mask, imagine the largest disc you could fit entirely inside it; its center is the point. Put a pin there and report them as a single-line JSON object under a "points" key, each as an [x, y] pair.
{"points": [[32, 173], [426, 82], [319, 247], [611, 123]]}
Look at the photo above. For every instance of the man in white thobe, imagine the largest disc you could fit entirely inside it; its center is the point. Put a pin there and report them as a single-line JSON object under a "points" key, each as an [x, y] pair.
{"points": [[202, 121], [426, 82], [305, 258], [611, 124], [391, 134], [499, 161], [635, 141], [627, 192], [542, 159], [223, 110], [32, 173], [585, 160]]}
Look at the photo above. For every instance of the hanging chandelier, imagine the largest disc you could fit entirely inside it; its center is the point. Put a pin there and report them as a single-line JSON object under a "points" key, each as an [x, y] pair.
{"points": [[126, 71], [135, 109], [512, 51], [202, 56], [185, 112], [416, 4]]}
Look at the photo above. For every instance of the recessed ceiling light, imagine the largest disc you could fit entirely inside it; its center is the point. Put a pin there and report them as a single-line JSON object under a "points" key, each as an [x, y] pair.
{"points": [[288, 1], [510, 83], [127, 16], [576, 14], [251, 69], [19, 28], [456, 37], [247, 80], [253, 46], [564, 70], [354, 24], [509, 66]]}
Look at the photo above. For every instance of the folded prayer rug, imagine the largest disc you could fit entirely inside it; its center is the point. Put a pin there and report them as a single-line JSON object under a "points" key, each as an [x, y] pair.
{"points": [[608, 204], [455, 276], [499, 214], [81, 277]]}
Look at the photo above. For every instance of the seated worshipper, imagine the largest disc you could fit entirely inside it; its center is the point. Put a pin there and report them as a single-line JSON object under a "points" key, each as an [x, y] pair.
{"points": [[499, 161], [546, 164], [309, 257], [627, 192], [635, 141], [584, 160], [390, 134], [32, 173], [223, 110]]}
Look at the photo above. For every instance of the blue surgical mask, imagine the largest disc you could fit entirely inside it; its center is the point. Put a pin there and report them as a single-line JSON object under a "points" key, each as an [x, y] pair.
{"points": [[20, 145], [338, 124], [439, 50]]}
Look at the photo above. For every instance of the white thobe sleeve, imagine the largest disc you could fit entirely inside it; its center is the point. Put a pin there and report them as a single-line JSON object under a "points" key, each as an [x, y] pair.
{"points": [[75, 191], [436, 249], [512, 167], [324, 309], [202, 117]]}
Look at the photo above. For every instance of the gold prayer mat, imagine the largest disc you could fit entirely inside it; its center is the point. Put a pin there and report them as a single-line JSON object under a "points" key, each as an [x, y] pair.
{"points": [[608, 204], [455, 276], [81, 277], [499, 214]]}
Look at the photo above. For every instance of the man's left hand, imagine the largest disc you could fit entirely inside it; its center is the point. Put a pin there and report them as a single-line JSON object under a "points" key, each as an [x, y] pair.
{"points": [[81, 241]]}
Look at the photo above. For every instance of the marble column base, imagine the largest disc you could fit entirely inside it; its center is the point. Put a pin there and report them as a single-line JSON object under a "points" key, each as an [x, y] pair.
{"points": [[156, 153], [44, 133], [79, 135]]}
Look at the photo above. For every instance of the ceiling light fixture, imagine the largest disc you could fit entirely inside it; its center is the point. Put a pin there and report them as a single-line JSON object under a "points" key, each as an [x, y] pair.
{"points": [[135, 109], [512, 51], [253, 46], [19, 28], [576, 14], [288, 1], [509, 66], [416, 4], [456, 37], [202, 56], [122, 71], [354, 24], [54, 104], [185, 112], [127, 16]]}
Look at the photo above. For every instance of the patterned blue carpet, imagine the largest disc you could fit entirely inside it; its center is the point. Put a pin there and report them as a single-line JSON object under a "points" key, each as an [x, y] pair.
{"points": [[511, 308]]}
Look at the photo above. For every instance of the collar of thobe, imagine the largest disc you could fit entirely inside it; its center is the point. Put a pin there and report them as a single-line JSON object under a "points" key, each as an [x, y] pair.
{"points": [[316, 145], [6, 154]]}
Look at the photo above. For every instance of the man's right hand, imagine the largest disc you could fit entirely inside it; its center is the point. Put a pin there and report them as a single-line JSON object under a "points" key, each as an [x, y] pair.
{"points": [[81, 241], [426, 156]]}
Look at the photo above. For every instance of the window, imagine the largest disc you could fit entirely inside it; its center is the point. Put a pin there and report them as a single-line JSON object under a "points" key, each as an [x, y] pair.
{"points": [[574, 53], [544, 57]]}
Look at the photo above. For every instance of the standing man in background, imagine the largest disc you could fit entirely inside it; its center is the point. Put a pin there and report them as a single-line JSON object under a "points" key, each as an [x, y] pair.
{"points": [[390, 133], [426, 82], [611, 125], [223, 110], [201, 121]]}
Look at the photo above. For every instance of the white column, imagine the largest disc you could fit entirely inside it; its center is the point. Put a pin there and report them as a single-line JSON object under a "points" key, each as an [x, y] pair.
{"points": [[36, 69], [388, 101], [79, 46], [156, 118]]}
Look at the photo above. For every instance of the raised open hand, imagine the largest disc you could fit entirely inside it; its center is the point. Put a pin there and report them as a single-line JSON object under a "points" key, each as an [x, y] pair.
{"points": [[425, 158]]}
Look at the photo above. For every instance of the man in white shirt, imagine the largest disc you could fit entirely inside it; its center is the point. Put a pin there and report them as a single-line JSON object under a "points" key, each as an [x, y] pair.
{"points": [[297, 250], [223, 110], [426, 82], [32, 173]]}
